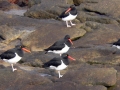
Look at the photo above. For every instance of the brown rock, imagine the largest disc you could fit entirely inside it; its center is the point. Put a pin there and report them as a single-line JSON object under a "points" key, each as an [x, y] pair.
{"points": [[5, 5], [94, 76], [50, 32], [48, 9], [20, 80], [66, 85], [9, 34], [105, 34]]}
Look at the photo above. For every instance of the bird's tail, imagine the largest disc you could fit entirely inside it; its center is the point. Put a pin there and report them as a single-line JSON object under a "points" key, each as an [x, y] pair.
{"points": [[57, 17], [45, 51], [45, 65]]}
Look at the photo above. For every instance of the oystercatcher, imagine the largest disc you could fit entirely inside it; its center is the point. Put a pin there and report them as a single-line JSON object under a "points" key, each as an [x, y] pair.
{"points": [[117, 44], [14, 55], [61, 46], [69, 15], [59, 63]]}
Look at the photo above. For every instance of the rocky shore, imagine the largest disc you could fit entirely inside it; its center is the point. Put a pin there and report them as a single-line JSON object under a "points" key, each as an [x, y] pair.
{"points": [[97, 65]]}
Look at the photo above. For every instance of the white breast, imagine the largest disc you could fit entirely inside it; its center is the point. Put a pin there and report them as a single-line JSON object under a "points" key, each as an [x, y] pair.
{"points": [[13, 60], [118, 47], [64, 50], [69, 18], [60, 67]]}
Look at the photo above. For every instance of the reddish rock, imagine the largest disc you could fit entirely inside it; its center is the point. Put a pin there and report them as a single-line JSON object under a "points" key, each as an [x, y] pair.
{"points": [[13, 1]]}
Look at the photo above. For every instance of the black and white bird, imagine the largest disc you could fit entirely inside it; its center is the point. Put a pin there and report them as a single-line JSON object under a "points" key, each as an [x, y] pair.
{"points": [[14, 55], [59, 63], [69, 15], [116, 44], [61, 46]]}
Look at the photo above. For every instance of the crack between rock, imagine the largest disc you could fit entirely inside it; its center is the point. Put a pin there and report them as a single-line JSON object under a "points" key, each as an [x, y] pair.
{"points": [[99, 13], [2, 38]]}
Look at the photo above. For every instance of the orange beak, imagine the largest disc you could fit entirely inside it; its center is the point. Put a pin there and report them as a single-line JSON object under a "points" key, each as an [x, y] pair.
{"points": [[71, 58], [67, 10], [26, 50], [70, 41]]}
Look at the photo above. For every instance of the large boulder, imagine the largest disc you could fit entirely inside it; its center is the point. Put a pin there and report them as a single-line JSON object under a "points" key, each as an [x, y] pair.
{"points": [[93, 76], [5, 5], [104, 34], [48, 8], [20, 79], [88, 10], [48, 33]]}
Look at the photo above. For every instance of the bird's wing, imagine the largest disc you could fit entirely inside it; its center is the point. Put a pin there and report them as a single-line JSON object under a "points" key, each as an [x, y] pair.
{"points": [[53, 62], [118, 42], [63, 14], [56, 46], [7, 55]]}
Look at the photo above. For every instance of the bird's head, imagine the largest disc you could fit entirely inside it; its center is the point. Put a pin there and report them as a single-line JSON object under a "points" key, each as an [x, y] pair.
{"points": [[70, 8], [65, 55], [67, 37], [22, 47]]}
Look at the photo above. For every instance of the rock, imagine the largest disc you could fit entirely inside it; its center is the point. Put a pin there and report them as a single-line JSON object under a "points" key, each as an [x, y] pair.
{"points": [[98, 11], [97, 63], [73, 86], [87, 10], [20, 80], [87, 54], [46, 32], [94, 76], [78, 2], [102, 7], [33, 2], [106, 34], [117, 86], [48, 9], [13, 1], [5, 5], [21, 3], [12, 34]]}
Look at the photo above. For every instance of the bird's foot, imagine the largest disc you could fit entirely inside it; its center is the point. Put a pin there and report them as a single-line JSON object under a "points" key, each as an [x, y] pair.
{"points": [[60, 76], [68, 26], [14, 69]]}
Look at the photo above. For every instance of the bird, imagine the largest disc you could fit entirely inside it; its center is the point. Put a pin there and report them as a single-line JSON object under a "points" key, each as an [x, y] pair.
{"points": [[60, 46], [14, 55], [116, 44], [58, 63], [69, 15]]}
